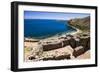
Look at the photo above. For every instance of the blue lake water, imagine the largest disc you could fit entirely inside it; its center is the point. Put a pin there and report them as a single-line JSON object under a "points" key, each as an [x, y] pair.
{"points": [[41, 28]]}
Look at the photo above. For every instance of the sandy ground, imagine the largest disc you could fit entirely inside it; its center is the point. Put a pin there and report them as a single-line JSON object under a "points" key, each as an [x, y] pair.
{"points": [[30, 44]]}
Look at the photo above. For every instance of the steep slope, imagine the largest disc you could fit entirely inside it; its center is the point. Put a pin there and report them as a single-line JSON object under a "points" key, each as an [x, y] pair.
{"points": [[81, 23]]}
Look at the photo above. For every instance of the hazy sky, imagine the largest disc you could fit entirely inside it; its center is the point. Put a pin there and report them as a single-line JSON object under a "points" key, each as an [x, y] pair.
{"points": [[53, 15]]}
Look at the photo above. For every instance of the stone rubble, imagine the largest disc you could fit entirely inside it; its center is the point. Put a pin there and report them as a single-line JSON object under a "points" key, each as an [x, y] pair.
{"points": [[57, 49]]}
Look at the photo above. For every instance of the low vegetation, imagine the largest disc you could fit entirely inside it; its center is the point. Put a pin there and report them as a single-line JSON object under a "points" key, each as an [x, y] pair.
{"points": [[81, 23]]}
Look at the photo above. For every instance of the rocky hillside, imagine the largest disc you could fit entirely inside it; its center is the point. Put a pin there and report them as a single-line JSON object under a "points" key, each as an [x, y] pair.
{"points": [[81, 23]]}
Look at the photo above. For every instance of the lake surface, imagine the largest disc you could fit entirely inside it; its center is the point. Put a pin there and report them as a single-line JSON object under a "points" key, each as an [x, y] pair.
{"points": [[42, 28]]}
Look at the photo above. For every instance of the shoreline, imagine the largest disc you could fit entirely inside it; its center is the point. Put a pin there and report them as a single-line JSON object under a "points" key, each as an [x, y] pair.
{"points": [[55, 36], [77, 31]]}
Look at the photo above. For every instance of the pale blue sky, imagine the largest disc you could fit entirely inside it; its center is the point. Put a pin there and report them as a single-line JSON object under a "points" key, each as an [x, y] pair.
{"points": [[53, 15]]}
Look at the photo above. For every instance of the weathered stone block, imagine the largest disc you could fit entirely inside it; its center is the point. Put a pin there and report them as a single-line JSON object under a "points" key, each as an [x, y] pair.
{"points": [[72, 42], [84, 41], [65, 42], [78, 51], [52, 46]]}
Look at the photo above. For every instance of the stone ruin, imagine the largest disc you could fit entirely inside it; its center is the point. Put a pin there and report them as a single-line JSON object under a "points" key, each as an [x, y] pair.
{"points": [[79, 44]]}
